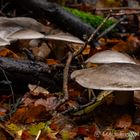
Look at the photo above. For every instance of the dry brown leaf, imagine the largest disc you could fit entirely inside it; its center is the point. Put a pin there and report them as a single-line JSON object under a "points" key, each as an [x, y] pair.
{"points": [[124, 122], [120, 47], [2, 111], [105, 137], [131, 45], [135, 128], [89, 131], [64, 126], [59, 121], [52, 62], [34, 114], [19, 116], [49, 103], [30, 114], [36, 90], [26, 135], [8, 53], [27, 101]]}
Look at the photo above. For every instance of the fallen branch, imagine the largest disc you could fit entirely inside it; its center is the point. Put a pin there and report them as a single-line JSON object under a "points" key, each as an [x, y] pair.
{"points": [[57, 15], [27, 71]]}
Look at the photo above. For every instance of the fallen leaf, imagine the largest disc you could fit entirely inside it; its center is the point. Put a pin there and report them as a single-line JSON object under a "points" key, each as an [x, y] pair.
{"points": [[30, 114], [27, 101], [124, 122], [26, 135], [89, 131], [36, 90], [130, 46], [8, 53], [49, 103], [2, 111]]}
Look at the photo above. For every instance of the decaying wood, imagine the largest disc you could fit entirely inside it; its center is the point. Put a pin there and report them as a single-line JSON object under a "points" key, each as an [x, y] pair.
{"points": [[28, 71], [57, 15]]}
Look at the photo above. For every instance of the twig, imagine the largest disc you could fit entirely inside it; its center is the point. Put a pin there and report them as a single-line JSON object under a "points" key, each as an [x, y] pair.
{"points": [[65, 81], [3, 118], [91, 37], [98, 28], [116, 9], [110, 28], [124, 13], [9, 83], [7, 131], [38, 135], [87, 108]]}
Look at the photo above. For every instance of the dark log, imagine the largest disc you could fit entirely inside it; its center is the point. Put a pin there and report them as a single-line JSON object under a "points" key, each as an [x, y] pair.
{"points": [[29, 72], [57, 15]]}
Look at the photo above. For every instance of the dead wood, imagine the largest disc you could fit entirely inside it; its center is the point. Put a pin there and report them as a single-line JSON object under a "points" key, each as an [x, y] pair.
{"points": [[27, 71]]}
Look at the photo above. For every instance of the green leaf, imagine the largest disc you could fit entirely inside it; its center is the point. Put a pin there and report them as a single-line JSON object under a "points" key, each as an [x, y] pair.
{"points": [[35, 128]]}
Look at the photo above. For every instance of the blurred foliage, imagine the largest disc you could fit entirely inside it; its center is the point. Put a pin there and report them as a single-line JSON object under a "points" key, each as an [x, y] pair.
{"points": [[34, 129]]}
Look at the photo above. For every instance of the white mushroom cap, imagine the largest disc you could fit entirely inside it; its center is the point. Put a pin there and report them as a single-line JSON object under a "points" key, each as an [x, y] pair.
{"points": [[113, 76], [110, 56], [65, 38], [25, 34]]}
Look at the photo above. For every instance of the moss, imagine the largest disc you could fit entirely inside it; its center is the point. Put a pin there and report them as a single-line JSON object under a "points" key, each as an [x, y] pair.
{"points": [[93, 20]]}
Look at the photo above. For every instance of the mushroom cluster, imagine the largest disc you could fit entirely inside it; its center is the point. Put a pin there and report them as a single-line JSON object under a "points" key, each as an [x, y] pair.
{"points": [[116, 72]]}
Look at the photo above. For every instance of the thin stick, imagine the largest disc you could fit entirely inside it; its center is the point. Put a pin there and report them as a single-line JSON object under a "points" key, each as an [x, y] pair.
{"points": [[12, 92], [38, 135], [65, 81], [110, 28], [87, 108], [124, 13], [115, 9], [91, 37]]}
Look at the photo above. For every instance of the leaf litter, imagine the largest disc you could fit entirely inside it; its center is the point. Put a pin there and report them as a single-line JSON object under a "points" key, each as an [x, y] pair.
{"points": [[36, 115]]}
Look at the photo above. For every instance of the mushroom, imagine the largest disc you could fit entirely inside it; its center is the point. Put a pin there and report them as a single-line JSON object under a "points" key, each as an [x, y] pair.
{"points": [[58, 43], [110, 56], [113, 76], [64, 38]]}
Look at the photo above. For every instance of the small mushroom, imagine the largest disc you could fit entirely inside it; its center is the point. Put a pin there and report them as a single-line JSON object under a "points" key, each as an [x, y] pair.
{"points": [[110, 56]]}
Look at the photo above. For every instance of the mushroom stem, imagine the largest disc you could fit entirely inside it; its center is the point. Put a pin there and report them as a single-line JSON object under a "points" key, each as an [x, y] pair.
{"points": [[91, 95]]}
